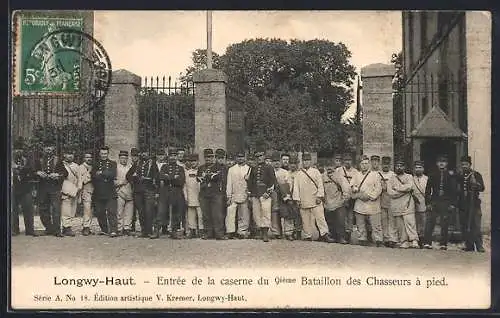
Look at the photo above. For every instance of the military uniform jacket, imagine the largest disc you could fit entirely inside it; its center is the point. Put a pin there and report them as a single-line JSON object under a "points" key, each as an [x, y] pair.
{"points": [[372, 186], [212, 179], [465, 191], [419, 185], [261, 180], [348, 175], [103, 175], [401, 202], [123, 188], [51, 165], [385, 198], [306, 190], [192, 188], [444, 180], [86, 177], [173, 176], [336, 190], [237, 188], [144, 176], [23, 175]]}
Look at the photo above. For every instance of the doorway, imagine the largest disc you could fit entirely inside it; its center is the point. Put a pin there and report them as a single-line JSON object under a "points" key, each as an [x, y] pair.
{"points": [[431, 148]]}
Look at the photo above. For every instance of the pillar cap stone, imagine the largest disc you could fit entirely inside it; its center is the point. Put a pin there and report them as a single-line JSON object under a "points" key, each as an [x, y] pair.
{"points": [[125, 77], [378, 70], [209, 75]]}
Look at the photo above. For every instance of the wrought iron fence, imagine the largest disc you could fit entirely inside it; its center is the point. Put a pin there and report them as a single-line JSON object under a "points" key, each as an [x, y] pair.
{"points": [[38, 119], [166, 114]]}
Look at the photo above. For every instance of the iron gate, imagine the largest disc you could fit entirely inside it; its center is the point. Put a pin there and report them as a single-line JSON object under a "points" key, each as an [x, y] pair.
{"points": [[166, 114], [43, 118]]}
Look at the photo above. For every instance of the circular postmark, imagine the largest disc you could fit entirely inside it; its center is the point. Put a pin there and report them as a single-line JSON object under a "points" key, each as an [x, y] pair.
{"points": [[68, 62]]}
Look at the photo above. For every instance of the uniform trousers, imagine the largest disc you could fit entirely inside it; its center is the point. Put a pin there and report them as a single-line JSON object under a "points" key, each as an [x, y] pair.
{"points": [[239, 210], [213, 219], [374, 220], [25, 201], [275, 215], [68, 210], [336, 222], [49, 203], [87, 208], [125, 211], [145, 203], [472, 232], [406, 228], [106, 214], [349, 216], [388, 226], [261, 210], [420, 218], [194, 218], [439, 208], [171, 201], [314, 216]]}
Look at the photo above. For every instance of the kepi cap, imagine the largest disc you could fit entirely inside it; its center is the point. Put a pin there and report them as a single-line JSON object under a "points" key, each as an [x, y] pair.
{"points": [[208, 152], [306, 156], [466, 159], [123, 153], [220, 153], [375, 157]]}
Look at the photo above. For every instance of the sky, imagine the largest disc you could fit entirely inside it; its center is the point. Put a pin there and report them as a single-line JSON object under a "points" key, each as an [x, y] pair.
{"points": [[158, 43]]}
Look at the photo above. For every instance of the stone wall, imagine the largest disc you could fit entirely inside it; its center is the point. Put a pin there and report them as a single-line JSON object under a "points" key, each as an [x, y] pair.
{"points": [[377, 107], [121, 113]]}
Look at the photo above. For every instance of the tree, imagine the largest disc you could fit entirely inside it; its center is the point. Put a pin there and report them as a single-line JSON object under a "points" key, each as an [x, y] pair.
{"points": [[398, 106], [288, 83]]}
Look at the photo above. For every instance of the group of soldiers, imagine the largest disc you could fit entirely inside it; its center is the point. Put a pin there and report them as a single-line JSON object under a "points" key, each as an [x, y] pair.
{"points": [[266, 196]]}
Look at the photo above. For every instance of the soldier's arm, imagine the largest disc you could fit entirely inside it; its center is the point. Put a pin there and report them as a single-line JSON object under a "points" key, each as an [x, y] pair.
{"points": [[479, 182], [321, 188], [375, 190], [296, 191], [182, 177], [428, 190], [392, 189], [229, 184], [130, 173], [61, 170]]}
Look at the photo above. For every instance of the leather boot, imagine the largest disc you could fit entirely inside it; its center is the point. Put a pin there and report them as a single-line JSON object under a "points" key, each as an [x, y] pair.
{"points": [[156, 233], [265, 234]]}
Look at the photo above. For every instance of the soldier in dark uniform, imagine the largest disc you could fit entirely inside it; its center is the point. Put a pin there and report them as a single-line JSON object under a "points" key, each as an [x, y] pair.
{"points": [[261, 183], [134, 158], [221, 159], [51, 174], [172, 179], [103, 176], [441, 192], [144, 177], [212, 192], [470, 184], [22, 186]]}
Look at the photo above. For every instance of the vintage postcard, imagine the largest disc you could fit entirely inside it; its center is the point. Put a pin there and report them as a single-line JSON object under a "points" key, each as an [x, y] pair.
{"points": [[250, 160]]}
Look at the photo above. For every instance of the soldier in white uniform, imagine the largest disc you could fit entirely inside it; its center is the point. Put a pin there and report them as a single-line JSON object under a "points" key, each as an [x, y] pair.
{"points": [[400, 188], [366, 191], [69, 192], [192, 195], [419, 185], [348, 172], [388, 221], [86, 193], [237, 198], [308, 191], [281, 178], [125, 200]]}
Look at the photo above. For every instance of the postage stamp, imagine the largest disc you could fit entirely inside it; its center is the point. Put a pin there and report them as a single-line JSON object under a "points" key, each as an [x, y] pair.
{"points": [[55, 56]]}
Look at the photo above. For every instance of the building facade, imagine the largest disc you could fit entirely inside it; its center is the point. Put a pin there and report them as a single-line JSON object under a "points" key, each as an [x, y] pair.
{"points": [[447, 89]]}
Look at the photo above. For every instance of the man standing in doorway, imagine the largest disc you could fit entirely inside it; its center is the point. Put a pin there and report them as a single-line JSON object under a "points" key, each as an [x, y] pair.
{"points": [[470, 185], [309, 192], [51, 173], [419, 185], [103, 177], [441, 192], [237, 198], [125, 200], [366, 191]]}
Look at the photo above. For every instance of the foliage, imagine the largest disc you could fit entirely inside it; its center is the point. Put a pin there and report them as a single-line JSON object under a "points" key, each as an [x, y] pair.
{"points": [[398, 106], [297, 90]]}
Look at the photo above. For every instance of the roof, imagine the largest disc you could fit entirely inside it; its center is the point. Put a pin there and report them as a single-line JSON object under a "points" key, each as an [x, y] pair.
{"points": [[437, 124]]}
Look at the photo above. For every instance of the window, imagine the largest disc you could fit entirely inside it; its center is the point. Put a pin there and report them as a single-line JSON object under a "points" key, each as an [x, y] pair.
{"points": [[410, 39], [443, 93], [425, 105]]}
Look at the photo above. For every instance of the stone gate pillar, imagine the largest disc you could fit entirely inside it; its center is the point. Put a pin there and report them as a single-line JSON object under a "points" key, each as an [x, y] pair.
{"points": [[121, 113], [210, 110], [377, 110]]}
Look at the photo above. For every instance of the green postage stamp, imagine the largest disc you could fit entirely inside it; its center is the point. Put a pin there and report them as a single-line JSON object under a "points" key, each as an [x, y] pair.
{"points": [[45, 63]]}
